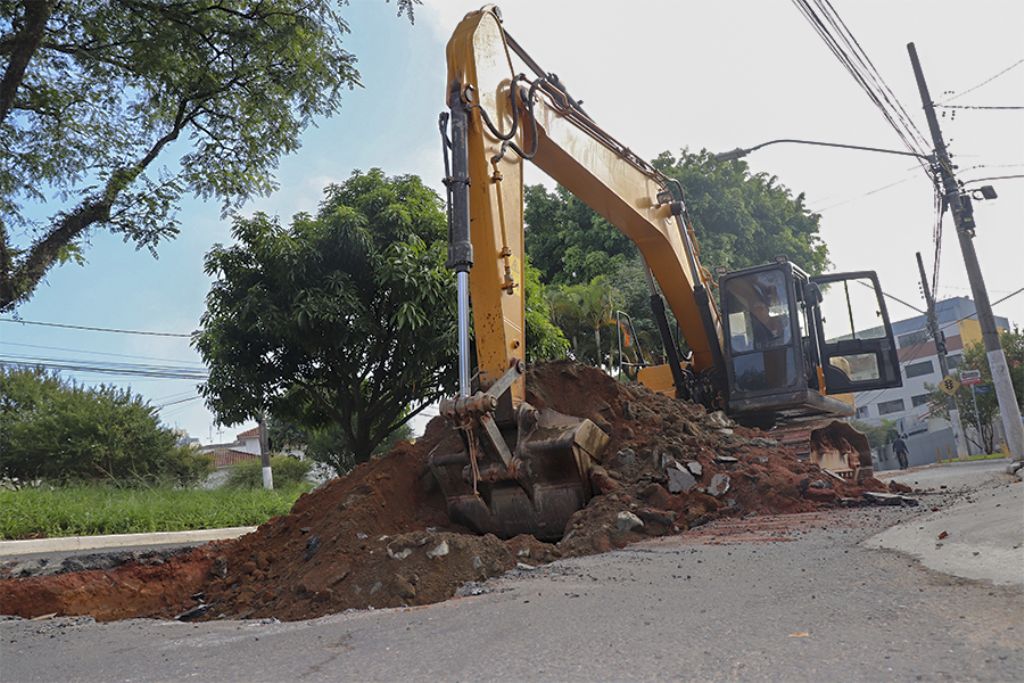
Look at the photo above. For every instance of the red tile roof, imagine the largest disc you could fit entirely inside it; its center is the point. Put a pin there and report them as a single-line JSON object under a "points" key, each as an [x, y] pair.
{"points": [[250, 433]]}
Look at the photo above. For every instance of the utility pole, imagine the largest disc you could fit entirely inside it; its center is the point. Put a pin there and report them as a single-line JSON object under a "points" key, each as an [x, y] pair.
{"points": [[963, 217], [268, 474], [940, 350]]}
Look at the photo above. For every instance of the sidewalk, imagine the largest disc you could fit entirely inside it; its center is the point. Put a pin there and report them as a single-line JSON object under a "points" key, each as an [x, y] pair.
{"points": [[981, 538], [9, 549]]}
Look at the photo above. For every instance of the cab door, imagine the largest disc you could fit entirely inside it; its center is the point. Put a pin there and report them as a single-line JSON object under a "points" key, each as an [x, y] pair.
{"points": [[855, 339]]}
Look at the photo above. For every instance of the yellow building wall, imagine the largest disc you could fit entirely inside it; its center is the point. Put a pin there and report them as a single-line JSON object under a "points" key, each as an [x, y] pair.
{"points": [[970, 331]]}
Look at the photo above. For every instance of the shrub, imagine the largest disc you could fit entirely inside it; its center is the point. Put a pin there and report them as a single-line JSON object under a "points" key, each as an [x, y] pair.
{"points": [[288, 472], [61, 431]]}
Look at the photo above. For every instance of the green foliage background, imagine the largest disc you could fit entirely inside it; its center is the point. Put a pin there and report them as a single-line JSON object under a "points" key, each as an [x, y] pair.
{"points": [[288, 473], [346, 318], [59, 431], [109, 92], [87, 510], [975, 358]]}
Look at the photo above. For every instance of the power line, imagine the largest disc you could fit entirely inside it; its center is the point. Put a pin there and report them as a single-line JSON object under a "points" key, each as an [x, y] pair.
{"points": [[176, 395], [98, 353], [939, 210], [974, 106], [984, 82], [96, 329], [914, 169], [862, 195], [175, 402], [994, 303], [995, 177], [120, 369], [854, 59]]}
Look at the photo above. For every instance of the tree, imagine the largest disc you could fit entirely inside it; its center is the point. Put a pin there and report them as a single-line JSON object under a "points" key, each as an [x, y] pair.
{"points": [[327, 445], [743, 219], [544, 339], [57, 430], [981, 409], [567, 241], [582, 310], [346, 317], [94, 94]]}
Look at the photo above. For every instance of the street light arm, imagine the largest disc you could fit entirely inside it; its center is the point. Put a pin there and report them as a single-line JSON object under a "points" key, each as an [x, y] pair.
{"points": [[741, 152]]}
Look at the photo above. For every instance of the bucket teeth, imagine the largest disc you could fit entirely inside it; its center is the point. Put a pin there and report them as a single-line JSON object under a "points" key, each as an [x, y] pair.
{"points": [[530, 482]]}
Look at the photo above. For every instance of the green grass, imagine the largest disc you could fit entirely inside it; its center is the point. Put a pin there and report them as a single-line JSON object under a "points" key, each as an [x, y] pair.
{"points": [[89, 510], [970, 458]]}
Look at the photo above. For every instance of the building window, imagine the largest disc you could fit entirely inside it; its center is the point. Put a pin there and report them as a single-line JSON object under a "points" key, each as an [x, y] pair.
{"points": [[913, 338], [953, 362], [862, 411], [919, 400], [888, 407], [925, 367]]}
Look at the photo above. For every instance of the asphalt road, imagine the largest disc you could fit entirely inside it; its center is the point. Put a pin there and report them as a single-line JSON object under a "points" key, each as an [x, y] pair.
{"points": [[794, 599], [953, 475]]}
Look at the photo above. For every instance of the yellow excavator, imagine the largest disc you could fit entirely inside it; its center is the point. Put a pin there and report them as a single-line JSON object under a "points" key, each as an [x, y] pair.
{"points": [[775, 351]]}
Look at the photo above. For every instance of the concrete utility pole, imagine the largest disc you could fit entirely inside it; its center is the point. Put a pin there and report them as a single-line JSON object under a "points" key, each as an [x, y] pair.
{"points": [[268, 474], [963, 216], [940, 350]]}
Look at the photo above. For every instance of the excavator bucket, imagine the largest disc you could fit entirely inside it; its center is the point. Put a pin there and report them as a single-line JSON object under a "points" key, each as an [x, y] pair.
{"points": [[525, 477]]}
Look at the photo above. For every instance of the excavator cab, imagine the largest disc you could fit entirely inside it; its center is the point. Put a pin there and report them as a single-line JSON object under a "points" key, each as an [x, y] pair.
{"points": [[794, 344]]}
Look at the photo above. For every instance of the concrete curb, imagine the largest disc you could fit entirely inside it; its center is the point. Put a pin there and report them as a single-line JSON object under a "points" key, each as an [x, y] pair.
{"points": [[73, 543]]}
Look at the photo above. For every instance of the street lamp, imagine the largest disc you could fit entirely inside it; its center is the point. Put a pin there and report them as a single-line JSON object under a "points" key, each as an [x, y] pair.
{"points": [[740, 152]]}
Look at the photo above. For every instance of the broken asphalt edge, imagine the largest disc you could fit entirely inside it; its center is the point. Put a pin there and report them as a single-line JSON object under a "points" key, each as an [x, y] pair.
{"points": [[979, 539], [73, 543]]}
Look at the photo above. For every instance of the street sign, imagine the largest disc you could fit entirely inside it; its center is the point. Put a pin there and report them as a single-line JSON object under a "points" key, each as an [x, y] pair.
{"points": [[970, 377], [983, 389], [949, 385]]}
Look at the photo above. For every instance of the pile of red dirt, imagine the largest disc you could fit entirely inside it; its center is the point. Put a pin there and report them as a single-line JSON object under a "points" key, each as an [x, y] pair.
{"points": [[379, 537]]}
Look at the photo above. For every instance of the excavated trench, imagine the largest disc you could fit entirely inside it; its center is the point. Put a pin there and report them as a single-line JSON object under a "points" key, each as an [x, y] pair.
{"points": [[379, 537]]}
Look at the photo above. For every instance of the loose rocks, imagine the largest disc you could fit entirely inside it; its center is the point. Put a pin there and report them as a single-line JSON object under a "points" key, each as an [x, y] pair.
{"points": [[627, 521], [680, 481]]}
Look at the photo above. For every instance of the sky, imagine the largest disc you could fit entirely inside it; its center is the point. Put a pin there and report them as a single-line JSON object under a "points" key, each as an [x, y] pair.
{"points": [[658, 76]]}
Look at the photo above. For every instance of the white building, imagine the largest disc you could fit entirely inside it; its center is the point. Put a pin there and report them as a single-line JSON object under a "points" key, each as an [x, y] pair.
{"points": [[907, 406]]}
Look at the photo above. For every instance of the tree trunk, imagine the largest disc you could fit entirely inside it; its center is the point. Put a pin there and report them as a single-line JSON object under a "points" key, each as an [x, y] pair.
{"points": [[24, 45], [18, 281], [597, 342]]}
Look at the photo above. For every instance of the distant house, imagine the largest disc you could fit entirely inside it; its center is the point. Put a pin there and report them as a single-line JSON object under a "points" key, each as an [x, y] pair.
{"points": [[249, 441], [246, 446]]}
